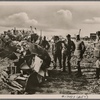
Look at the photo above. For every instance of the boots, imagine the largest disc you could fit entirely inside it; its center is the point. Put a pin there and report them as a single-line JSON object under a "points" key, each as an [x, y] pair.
{"points": [[79, 74], [69, 67], [97, 73]]}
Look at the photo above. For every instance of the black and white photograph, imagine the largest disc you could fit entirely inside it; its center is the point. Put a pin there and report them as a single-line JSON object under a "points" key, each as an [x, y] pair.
{"points": [[50, 48]]}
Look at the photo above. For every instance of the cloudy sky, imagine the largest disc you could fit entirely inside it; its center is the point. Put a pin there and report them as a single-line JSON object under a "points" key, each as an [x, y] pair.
{"points": [[53, 18]]}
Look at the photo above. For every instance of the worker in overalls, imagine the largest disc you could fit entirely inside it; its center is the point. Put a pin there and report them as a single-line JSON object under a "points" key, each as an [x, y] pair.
{"points": [[79, 51]]}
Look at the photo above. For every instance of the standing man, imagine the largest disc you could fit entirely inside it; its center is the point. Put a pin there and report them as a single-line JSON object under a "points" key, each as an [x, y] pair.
{"points": [[45, 43], [79, 51], [69, 48], [57, 51], [97, 54]]}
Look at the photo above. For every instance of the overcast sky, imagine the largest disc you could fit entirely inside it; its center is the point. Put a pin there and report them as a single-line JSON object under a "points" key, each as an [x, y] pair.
{"points": [[53, 18]]}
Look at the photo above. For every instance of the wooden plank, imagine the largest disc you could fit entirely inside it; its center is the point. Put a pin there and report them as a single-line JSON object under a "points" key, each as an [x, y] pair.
{"points": [[13, 88]]}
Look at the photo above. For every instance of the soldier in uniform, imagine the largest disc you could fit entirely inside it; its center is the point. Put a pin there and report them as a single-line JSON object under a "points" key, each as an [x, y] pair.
{"points": [[57, 51], [79, 51], [69, 48]]}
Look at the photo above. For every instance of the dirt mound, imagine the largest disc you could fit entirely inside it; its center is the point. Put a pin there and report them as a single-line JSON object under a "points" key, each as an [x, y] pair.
{"points": [[61, 83]]}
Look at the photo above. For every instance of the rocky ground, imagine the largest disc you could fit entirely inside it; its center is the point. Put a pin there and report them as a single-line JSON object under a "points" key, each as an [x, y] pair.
{"points": [[61, 83]]}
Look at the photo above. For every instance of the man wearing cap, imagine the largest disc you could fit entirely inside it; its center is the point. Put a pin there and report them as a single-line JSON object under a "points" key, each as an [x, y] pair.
{"points": [[79, 51], [69, 48], [57, 51]]}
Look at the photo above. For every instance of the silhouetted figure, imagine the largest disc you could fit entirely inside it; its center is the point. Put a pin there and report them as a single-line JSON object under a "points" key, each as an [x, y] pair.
{"points": [[45, 43], [57, 51], [69, 48], [34, 37]]}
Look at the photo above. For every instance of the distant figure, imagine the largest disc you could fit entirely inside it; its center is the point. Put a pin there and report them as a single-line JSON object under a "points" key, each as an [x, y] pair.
{"points": [[97, 54], [69, 48], [34, 37], [6, 40], [57, 51], [11, 35], [45, 43], [79, 51]]}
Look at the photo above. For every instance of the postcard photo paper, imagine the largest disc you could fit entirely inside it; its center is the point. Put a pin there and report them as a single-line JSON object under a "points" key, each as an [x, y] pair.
{"points": [[50, 49]]}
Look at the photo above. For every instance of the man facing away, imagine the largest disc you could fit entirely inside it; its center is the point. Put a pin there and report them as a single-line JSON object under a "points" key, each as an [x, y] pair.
{"points": [[69, 48], [79, 51]]}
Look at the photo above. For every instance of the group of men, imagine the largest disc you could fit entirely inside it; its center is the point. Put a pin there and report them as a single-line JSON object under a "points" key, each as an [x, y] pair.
{"points": [[32, 60], [64, 50]]}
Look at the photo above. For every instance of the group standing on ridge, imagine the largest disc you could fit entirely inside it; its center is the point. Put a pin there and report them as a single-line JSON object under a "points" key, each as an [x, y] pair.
{"points": [[64, 50]]}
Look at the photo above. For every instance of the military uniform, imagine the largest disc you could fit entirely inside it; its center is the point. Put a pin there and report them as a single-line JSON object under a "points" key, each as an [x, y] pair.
{"points": [[57, 53], [69, 48]]}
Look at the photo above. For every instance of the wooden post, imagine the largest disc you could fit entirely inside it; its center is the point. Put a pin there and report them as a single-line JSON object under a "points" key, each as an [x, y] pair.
{"points": [[79, 31]]}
